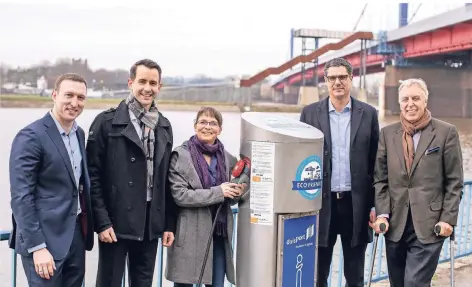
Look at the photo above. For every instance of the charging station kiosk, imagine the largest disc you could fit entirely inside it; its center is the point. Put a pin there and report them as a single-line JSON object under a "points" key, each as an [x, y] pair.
{"points": [[278, 220]]}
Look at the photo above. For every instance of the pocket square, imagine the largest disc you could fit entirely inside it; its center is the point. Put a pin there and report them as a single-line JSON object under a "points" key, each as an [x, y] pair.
{"points": [[432, 150]]}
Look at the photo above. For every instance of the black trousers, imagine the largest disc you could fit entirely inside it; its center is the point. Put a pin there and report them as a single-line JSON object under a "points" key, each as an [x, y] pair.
{"points": [[410, 262], [69, 272], [354, 257], [141, 261]]}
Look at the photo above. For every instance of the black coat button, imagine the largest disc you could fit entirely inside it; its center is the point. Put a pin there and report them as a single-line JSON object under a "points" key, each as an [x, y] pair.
{"points": [[326, 152], [130, 183], [133, 159]]}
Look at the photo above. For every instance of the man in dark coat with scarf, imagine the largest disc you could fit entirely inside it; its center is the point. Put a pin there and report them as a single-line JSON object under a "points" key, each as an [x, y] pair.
{"points": [[128, 152]]}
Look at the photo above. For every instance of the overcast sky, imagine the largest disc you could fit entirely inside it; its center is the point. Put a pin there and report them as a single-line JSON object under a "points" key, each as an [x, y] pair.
{"points": [[187, 37]]}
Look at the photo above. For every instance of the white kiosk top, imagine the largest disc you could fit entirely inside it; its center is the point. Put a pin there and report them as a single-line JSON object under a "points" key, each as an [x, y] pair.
{"points": [[282, 125]]}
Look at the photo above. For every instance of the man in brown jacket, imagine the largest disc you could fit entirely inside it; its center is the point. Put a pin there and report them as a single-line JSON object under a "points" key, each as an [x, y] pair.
{"points": [[418, 182]]}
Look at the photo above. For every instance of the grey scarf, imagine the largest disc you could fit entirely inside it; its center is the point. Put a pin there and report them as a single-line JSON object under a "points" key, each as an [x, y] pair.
{"points": [[148, 121]]}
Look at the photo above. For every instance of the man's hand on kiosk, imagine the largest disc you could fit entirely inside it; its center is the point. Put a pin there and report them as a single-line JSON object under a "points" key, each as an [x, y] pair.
{"points": [[377, 225], [443, 229]]}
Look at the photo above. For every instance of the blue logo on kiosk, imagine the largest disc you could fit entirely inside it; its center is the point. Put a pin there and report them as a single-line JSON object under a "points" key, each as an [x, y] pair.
{"points": [[308, 179], [299, 251]]}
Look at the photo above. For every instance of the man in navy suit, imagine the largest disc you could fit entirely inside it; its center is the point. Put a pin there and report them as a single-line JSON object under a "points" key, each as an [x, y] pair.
{"points": [[50, 191]]}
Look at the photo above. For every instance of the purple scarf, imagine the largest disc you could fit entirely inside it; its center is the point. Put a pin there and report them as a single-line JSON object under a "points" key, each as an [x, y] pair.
{"points": [[197, 149]]}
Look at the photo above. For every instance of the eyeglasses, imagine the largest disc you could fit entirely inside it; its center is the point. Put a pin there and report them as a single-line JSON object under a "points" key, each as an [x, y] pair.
{"points": [[204, 123], [342, 78]]}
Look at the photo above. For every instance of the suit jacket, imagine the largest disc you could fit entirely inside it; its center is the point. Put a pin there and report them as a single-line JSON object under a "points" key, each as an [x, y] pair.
{"points": [[433, 190], [43, 190], [363, 148]]}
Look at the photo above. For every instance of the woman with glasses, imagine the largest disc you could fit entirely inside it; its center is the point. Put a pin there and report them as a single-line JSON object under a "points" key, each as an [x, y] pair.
{"points": [[199, 179]]}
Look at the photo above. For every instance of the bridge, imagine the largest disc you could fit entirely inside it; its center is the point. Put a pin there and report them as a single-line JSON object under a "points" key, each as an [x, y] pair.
{"points": [[437, 49]]}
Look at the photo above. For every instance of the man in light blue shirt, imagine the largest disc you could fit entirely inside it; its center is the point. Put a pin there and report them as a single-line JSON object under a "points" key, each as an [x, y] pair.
{"points": [[340, 124], [351, 134]]}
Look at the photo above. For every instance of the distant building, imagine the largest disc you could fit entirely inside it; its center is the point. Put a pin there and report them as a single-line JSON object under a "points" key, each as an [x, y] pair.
{"points": [[42, 83]]}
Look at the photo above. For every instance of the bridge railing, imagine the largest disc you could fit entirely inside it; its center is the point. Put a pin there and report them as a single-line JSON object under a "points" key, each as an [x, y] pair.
{"points": [[463, 247]]}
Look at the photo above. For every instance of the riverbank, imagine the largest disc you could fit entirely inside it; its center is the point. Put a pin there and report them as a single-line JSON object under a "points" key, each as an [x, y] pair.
{"points": [[28, 101]]}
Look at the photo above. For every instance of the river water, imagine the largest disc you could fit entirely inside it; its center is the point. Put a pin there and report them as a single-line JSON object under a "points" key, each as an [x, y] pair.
{"points": [[182, 122]]}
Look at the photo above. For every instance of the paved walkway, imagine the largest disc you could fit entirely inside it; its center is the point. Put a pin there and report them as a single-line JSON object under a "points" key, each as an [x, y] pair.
{"points": [[463, 274]]}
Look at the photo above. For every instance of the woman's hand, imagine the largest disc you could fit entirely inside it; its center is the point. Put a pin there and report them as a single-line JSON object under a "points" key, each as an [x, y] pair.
{"points": [[230, 189], [242, 188]]}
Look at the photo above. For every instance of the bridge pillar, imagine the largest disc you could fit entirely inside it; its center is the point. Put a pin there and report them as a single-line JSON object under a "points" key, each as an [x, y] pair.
{"points": [[290, 95], [450, 89], [381, 103], [362, 96], [308, 95]]}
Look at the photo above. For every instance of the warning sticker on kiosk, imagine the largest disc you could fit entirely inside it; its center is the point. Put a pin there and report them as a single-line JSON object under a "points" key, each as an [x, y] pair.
{"points": [[309, 179], [262, 183]]}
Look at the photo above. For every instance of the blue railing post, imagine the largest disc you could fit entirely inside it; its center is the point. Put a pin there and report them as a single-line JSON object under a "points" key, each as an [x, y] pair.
{"points": [[13, 269], [467, 222], [4, 236]]}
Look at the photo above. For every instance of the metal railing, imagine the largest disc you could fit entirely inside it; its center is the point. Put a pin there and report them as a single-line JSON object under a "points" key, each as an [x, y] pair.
{"points": [[463, 248]]}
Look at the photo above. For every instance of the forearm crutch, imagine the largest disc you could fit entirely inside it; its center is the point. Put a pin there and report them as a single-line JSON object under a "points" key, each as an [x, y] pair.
{"points": [[372, 259], [437, 230]]}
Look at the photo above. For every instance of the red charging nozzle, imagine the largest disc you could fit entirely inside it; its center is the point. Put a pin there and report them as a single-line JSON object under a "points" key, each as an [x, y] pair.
{"points": [[238, 168]]}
